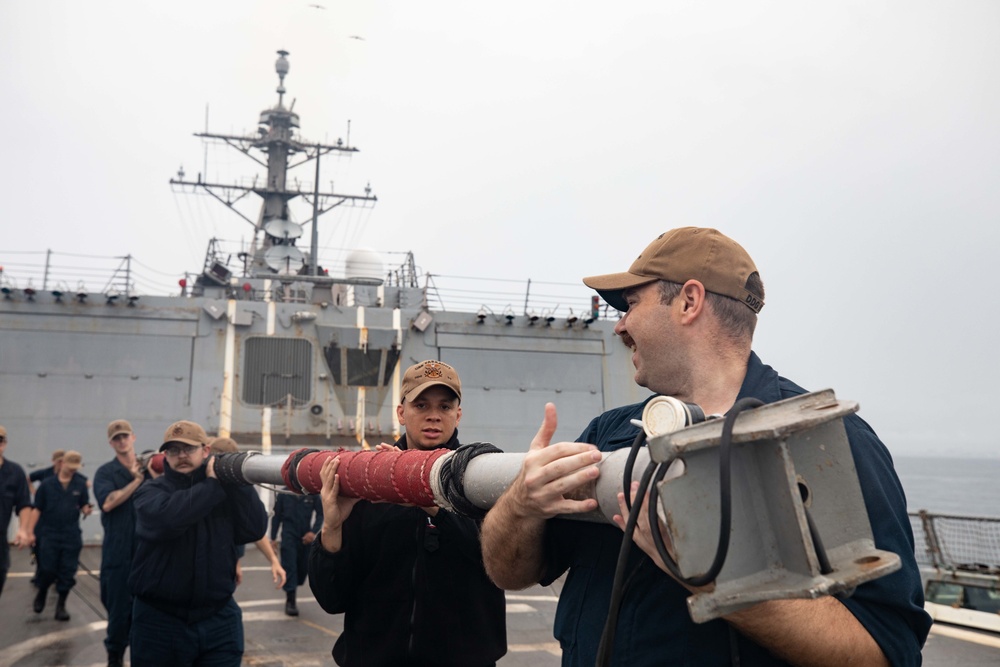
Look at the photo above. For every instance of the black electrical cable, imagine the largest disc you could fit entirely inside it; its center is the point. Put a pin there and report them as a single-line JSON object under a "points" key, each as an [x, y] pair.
{"points": [[617, 591], [734, 647], [654, 528], [629, 464], [824, 561], [725, 502]]}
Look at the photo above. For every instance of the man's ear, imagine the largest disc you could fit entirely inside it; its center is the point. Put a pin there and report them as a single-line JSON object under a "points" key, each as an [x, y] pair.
{"points": [[399, 415], [458, 415], [692, 298]]}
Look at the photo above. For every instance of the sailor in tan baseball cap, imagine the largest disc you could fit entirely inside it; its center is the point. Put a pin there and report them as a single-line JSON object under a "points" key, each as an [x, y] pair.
{"points": [[184, 444], [430, 410], [688, 288], [186, 432], [72, 461], [118, 427], [427, 374]]}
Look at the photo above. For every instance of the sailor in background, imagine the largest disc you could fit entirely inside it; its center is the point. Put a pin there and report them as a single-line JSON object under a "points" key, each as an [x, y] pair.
{"points": [[409, 580], [690, 304], [300, 518], [15, 498], [36, 477], [228, 446], [59, 504], [115, 483], [188, 525]]}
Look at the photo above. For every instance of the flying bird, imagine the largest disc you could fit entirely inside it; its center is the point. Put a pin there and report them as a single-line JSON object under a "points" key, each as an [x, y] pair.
{"points": [[317, 6], [356, 37]]}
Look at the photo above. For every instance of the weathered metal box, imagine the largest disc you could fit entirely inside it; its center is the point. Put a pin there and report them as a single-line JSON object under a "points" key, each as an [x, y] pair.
{"points": [[787, 458]]}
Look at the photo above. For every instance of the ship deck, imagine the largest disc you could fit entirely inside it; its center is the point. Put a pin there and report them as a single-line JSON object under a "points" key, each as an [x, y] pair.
{"points": [[275, 640]]}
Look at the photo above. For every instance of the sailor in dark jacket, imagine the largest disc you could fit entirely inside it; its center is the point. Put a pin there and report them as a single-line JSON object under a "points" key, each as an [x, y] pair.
{"points": [[689, 307], [188, 526], [409, 580], [300, 518], [59, 502]]}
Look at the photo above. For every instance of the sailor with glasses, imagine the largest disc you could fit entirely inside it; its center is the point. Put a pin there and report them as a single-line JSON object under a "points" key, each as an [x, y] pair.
{"points": [[188, 526]]}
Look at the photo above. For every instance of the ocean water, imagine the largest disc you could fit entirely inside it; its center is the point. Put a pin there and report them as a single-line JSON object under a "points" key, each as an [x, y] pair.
{"points": [[944, 485]]}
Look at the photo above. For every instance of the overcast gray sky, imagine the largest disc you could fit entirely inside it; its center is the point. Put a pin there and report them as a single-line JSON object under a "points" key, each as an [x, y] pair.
{"points": [[852, 147]]}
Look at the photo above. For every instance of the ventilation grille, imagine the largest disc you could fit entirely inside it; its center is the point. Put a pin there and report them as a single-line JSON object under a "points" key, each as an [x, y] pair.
{"points": [[273, 368]]}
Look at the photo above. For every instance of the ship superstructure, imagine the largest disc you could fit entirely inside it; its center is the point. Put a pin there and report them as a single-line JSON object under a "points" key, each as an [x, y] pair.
{"points": [[269, 348]]}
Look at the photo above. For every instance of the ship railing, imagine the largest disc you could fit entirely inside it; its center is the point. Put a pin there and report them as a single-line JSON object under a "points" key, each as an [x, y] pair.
{"points": [[62, 273], [956, 542], [540, 303], [543, 303]]}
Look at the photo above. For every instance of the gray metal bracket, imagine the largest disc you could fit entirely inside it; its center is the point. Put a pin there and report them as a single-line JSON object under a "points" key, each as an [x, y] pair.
{"points": [[787, 457]]}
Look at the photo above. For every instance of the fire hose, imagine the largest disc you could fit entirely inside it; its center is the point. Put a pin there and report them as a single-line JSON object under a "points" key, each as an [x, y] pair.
{"points": [[469, 479], [793, 508]]}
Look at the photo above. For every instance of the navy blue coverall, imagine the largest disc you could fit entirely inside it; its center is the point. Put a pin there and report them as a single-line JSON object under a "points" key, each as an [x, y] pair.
{"points": [[37, 477], [42, 474], [295, 514], [116, 554], [59, 530]]}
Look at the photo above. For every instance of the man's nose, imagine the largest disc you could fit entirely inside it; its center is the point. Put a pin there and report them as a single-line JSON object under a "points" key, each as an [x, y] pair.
{"points": [[620, 326]]}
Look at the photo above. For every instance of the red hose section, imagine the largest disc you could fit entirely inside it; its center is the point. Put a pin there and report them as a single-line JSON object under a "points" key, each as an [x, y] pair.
{"points": [[400, 477]]}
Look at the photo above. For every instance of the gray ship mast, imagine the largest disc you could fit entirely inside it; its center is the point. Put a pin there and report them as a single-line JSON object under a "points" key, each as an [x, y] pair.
{"points": [[274, 249]]}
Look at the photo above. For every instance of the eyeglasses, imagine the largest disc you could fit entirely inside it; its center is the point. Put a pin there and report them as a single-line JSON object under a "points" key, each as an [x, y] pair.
{"points": [[3, 438], [174, 451]]}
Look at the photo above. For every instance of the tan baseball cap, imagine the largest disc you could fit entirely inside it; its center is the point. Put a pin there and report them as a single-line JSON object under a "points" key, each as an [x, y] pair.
{"points": [[58, 454], [3, 432], [224, 445], [420, 377], [72, 460], [184, 431], [699, 253], [118, 427]]}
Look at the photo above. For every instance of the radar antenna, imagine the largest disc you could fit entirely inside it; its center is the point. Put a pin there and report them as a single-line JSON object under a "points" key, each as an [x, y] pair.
{"points": [[277, 139]]}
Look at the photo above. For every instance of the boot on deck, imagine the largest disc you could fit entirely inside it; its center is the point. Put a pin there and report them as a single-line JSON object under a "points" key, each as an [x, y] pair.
{"points": [[290, 608], [39, 604], [61, 613]]}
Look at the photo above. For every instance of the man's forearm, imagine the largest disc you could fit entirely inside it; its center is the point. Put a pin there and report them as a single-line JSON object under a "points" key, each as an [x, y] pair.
{"points": [[26, 526], [810, 633], [513, 551], [265, 547], [119, 496]]}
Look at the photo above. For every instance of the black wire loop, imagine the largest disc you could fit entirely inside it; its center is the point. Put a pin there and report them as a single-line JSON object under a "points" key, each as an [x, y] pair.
{"points": [[452, 477]]}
